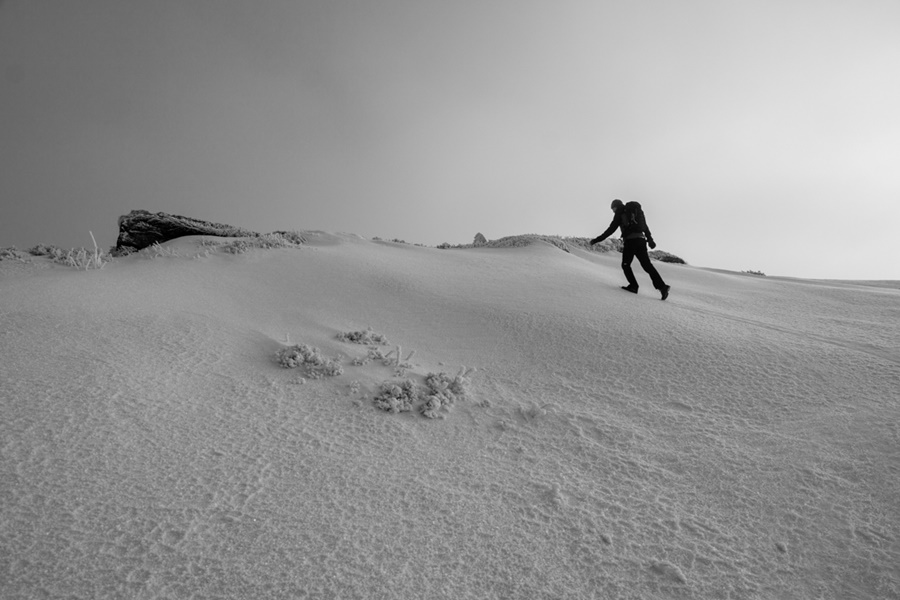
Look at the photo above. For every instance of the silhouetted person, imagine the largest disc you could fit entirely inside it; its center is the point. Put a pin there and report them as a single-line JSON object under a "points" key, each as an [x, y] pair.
{"points": [[635, 236]]}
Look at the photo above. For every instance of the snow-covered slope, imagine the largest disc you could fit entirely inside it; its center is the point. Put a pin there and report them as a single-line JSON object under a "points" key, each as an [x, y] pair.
{"points": [[739, 440]]}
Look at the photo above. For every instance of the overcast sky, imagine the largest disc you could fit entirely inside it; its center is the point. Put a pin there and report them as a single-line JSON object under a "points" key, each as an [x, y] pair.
{"points": [[758, 135]]}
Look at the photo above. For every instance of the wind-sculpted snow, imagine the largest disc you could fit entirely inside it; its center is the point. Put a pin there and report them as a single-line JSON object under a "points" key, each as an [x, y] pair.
{"points": [[738, 441]]}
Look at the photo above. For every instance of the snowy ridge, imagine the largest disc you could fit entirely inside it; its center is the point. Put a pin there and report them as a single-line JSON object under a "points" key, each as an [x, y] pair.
{"points": [[739, 440]]}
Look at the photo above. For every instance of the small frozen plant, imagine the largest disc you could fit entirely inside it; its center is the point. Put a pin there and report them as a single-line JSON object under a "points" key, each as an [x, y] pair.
{"points": [[403, 364], [80, 258], [432, 399], [394, 358], [317, 365], [367, 337], [395, 397], [263, 242], [237, 247], [155, 250], [373, 353], [54, 252], [443, 391], [12, 254]]}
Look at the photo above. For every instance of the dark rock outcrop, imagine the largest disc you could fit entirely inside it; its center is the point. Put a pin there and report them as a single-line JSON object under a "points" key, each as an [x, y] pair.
{"points": [[140, 228]]}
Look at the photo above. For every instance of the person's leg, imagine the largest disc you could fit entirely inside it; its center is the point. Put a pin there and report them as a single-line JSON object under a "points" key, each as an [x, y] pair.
{"points": [[644, 258], [627, 256]]}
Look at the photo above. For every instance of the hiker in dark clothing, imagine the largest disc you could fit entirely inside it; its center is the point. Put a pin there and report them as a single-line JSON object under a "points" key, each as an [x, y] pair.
{"points": [[635, 236]]}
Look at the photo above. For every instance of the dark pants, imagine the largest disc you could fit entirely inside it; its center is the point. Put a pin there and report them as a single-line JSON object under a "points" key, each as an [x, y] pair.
{"points": [[638, 248]]}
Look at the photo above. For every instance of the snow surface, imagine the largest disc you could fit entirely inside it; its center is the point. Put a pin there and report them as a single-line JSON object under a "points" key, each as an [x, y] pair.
{"points": [[740, 440]]}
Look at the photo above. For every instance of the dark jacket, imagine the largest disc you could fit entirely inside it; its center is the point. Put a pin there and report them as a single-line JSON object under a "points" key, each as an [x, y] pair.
{"points": [[642, 233]]}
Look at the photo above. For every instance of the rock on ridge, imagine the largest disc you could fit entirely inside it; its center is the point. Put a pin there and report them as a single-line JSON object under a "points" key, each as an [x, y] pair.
{"points": [[140, 228]]}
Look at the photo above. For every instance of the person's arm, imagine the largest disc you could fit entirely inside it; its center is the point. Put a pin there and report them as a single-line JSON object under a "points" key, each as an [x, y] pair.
{"points": [[609, 231], [649, 235]]}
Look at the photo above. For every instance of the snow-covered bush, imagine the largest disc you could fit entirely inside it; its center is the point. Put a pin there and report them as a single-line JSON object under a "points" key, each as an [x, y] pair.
{"points": [[264, 242], [317, 365], [585, 244], [443, 391], [54, 252], [666, 257], [435, 397], [294, 237], [367, 337], [79, 258], [155, 250], [12, 253], [397, 397], [517, 241]]}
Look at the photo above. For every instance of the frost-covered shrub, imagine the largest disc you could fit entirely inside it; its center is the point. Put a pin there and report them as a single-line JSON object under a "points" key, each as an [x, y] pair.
{"points": [[374, 353], [585, 244], [294, 237], [317, 365], [79, 258], [264, 242], [50, 251], [397, 397], [512, 241], [563, 243], [237, 247], [443, 391], [12, 253], [517, 241], [155, 250], [432, 399], [367, 337], [666, 257], [120, 252]]}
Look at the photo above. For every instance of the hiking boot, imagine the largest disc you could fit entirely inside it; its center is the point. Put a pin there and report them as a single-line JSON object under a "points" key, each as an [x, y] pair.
{"points": [[630, 288], [664, 290]]}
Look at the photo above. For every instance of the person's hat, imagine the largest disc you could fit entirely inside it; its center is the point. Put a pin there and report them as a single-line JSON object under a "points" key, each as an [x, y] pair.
{"points": [[616, 204]]}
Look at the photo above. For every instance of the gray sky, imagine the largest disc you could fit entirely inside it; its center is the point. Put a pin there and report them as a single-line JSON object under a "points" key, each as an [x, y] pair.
{"points": [[758, 134]]}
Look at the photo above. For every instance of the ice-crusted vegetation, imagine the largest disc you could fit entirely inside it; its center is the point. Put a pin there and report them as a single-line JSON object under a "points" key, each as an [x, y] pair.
{"points": [[155, 250], [207, 246], [367, 337], [316, 364], [264, 242], [431, 395], [513, 241], [83, 259], [565, 243], [432, 398], [444, 391], [397, 396], [393, 358], [12, 253], [78, 258]]}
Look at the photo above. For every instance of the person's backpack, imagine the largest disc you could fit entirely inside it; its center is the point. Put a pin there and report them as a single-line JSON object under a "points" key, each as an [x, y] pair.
{"points": [[632, 218]]}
